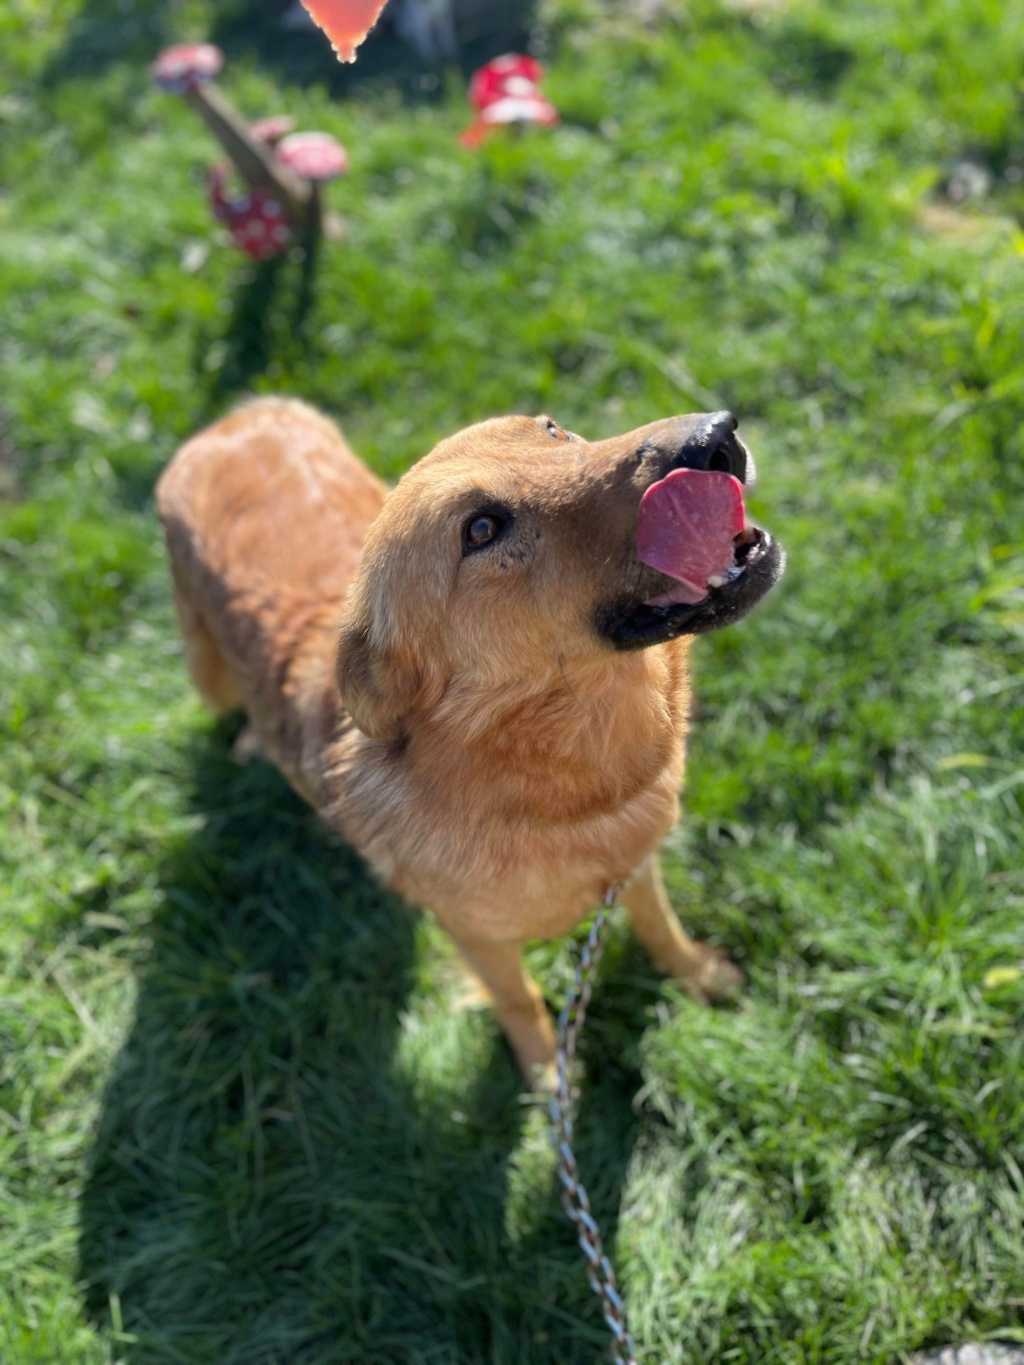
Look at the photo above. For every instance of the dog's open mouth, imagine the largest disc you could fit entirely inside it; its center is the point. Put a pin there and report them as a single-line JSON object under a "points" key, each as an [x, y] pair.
{"points": [[693, 529]]}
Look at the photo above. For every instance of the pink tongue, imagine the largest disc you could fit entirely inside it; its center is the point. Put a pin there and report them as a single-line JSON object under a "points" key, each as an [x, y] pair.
{"points": [[686, 527]]}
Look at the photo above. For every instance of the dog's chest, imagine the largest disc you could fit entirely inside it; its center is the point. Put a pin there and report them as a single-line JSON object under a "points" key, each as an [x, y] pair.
{"points": [[508, 875]]}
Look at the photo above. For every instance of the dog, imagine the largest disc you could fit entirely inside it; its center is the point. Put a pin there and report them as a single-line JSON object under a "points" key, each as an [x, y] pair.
{"points": [[474, 678]]}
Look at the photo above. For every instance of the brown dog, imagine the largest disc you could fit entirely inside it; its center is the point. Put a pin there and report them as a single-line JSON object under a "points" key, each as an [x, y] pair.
{"points": [[500, 732]]}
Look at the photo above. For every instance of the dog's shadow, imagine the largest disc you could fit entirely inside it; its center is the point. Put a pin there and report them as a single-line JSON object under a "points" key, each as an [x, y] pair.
{"points": [[273, 1179]]}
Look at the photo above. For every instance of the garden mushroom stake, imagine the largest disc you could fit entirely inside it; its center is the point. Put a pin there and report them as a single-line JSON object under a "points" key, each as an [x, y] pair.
{"points": [[188, 70], [507, 90]]}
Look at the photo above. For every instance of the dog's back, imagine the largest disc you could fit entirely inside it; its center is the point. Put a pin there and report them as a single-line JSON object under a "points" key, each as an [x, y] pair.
{"points": [[266, 513]]}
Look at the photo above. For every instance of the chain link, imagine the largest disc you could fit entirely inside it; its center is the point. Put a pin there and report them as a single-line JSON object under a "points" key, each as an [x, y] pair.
{"points": [[600, 1271]]}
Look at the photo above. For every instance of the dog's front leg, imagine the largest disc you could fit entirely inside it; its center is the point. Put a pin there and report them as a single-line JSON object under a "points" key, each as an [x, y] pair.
{"points": [[519, 1005], [704, 972]]}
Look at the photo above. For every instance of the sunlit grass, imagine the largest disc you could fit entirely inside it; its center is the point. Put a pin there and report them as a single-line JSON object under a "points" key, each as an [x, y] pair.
{"points": [[241, 1121]]}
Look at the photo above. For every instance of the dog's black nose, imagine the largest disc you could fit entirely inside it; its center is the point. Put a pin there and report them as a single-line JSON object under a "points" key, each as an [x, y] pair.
{"points": [[709, 442]]}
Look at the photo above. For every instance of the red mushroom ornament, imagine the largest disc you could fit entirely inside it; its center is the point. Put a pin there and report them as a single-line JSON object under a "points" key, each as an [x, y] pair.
{"points": [[316, 158], [256, 220], [507, 90]]}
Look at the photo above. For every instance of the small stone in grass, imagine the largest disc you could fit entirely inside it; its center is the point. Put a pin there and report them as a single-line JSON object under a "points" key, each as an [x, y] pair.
{"points": [[972, 1353]]}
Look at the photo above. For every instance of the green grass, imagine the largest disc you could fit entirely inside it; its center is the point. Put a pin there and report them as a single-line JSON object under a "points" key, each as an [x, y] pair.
{"points": [[240, 1122]]}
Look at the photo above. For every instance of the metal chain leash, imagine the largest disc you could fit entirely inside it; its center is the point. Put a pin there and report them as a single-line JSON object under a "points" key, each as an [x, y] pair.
{"points": [[600, 1271]]}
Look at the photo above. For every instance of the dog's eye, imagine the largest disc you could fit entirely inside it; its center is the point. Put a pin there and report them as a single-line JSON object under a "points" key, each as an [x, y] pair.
{"points": [[480, 530], [556, 431]]}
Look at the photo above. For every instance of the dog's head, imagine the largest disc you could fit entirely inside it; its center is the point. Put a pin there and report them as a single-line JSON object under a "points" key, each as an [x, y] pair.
{"points": [[511, 550]]}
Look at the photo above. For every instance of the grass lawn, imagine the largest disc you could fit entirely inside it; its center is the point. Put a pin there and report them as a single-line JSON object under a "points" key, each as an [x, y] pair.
{"points": [[240, 1121]]}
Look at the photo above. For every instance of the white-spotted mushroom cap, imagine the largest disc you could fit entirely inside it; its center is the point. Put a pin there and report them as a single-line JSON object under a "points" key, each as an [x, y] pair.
{"points": [[184, 67], [314, 156]]}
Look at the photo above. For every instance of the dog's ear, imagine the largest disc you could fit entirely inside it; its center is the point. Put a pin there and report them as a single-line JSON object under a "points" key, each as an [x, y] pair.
{"points": [[376, 690]]}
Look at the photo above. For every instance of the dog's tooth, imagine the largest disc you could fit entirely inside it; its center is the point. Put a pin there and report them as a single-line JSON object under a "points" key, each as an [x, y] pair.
{"points": [[721, 580]]}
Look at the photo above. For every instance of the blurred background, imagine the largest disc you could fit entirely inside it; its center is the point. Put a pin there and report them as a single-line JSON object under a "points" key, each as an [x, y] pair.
{"points": [[240, 1119]]}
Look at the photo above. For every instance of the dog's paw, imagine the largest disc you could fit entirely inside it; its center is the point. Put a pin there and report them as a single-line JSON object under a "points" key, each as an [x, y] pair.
{"points": [[247, 746], [533, 1044], [716, 981], [542, 1078], [470, 993]]}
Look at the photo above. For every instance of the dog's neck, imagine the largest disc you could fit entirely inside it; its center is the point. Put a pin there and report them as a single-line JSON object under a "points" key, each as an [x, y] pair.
{"points": [[580, 741]]}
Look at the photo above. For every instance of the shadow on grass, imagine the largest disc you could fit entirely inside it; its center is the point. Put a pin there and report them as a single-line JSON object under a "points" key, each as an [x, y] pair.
{"points": [[272, 1180], [268, 320], [269, 309], [248, 341]]}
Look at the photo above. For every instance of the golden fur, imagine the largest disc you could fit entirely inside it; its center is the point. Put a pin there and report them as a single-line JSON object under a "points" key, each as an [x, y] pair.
{"points": [[473, 735]]}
